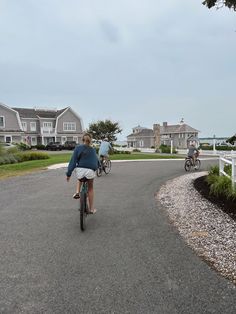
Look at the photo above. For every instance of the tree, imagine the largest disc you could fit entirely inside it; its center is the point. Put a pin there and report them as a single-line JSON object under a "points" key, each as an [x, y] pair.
{"points": [[220, 3], [231, 140], [102, 129]]}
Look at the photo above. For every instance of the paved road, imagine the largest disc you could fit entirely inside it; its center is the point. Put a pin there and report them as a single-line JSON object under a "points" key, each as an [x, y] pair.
{"points": [[129, 260]]}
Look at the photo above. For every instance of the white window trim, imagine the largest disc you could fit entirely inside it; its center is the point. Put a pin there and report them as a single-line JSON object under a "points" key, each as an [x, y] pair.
{"points": [[75, 138], [5, 136], [67, 123], [33, 129], [3, 126], [47, 125], [24, 124], [63, 139], [34, 138]]}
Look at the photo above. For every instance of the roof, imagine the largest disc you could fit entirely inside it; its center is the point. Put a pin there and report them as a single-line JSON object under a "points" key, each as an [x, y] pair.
{"points": [[142, 133], [38, 113], [178, 128]]}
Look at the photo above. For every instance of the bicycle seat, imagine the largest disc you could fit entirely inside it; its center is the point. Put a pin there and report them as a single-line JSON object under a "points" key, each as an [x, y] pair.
{"points": [[84, 179]]}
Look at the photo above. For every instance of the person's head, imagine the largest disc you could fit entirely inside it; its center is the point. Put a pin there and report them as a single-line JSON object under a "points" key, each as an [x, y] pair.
{"points": [[87, 139], [105, 139]]}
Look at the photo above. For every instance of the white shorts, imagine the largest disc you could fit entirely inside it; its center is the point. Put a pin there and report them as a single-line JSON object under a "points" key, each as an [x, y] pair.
{"points": [[84, 172]]}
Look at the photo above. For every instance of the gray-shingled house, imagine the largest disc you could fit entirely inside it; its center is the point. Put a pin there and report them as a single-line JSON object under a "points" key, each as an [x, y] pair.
{"points": [[181, 135], [39, 126]]}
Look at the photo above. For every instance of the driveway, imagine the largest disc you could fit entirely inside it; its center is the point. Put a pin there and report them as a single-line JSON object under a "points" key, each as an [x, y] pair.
{"points": [[129, 260]]}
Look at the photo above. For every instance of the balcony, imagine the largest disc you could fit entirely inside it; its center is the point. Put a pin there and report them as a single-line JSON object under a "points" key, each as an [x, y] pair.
{"points": [[48, 131]]}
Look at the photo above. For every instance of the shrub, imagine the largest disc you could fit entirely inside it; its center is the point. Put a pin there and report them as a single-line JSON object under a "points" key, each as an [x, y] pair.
{"points": [[22, 146], [121, 152], [166, 149], [26, 156], [136, 150], [221, 185], [39, 146]]}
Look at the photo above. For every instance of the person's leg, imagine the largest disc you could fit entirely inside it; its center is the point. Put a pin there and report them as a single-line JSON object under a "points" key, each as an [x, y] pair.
{"points": [[91, 195], [78, 186]]}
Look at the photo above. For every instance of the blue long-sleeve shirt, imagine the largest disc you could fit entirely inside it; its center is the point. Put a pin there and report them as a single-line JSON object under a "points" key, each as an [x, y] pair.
{"points": [[104, 148], [84, 156]]}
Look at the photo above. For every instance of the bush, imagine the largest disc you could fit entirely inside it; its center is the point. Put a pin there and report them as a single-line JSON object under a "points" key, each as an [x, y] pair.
{"points": [[166, 149], [26, 156], [121, 151], [136, 150], [39, 146], [221, 185], [8, 159], [22, 146]]}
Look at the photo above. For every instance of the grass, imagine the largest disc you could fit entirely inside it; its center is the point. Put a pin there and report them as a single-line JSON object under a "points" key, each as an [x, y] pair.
{"points": [[36, 165]]}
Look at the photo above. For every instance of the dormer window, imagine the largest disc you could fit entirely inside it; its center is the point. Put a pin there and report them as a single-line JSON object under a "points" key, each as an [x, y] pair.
{"points": [[2, 122]]}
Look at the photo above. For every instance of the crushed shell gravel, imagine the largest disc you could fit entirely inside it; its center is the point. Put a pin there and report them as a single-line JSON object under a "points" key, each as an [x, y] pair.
{"points": [[204, 226]]}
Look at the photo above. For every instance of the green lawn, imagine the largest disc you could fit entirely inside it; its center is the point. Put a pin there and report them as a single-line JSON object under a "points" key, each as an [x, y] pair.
{"points": [[36, 165]]}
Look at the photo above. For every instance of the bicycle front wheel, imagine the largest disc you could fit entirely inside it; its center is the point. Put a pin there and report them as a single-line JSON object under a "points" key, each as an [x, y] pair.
{"points": [[187, 165], [197, 164], [107, 166], [83, 204]]}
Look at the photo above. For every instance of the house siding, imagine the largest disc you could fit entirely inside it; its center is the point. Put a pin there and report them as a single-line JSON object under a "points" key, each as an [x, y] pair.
{"points": [[11, 122], [14, 117]]}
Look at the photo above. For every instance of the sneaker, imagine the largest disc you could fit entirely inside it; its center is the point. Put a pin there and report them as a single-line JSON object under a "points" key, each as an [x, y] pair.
{"points": [[76, 196]]}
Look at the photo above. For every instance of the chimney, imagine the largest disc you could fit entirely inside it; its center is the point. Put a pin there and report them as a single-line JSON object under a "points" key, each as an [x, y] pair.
{"points": [[157, 135]]}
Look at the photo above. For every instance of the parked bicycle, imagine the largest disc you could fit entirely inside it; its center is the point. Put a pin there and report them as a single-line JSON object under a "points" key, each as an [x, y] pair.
{"points": [[105, 165], [189, 164]]}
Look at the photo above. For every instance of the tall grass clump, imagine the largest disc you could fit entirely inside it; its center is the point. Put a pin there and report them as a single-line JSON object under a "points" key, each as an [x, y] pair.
{"points": [[221, 185]]}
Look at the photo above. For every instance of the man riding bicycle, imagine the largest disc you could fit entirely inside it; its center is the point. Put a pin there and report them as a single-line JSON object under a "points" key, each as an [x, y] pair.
{"points": [[193, 153], [104, 149]]}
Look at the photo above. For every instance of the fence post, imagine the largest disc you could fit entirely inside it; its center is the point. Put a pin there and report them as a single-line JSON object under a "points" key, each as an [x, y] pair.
{"points": [[221, 165], [233, 174]]}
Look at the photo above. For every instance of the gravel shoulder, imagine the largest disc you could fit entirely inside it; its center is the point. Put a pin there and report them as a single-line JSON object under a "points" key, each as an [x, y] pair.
{"points": [[203, 225]]}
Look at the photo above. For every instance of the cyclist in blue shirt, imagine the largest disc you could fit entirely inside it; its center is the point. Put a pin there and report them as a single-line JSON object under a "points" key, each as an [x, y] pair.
{"points": [[85, 162], [104, 148]]}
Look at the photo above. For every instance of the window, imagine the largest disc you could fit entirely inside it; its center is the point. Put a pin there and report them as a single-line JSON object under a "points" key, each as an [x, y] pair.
{"points": [[63, 139], [33, 126], [47, 125], [33, 140], [2, 122], [8, 138], [75, 138], [69, 126], [24, 126]]}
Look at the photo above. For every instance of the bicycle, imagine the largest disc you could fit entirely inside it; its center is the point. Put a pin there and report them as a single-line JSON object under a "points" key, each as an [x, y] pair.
{"points": [[105, 165], [189, 163], [83, 208]]}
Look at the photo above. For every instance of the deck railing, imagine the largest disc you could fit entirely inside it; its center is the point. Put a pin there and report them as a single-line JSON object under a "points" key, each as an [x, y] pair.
{"points": [[228, 160]]}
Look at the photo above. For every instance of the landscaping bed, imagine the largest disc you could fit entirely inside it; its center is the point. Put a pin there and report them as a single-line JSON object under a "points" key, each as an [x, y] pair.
{"points": [[227, 205]]}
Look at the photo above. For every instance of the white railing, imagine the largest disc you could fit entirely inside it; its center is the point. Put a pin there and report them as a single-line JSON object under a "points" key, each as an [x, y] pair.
{"points": [[45, 131], [229, 160]]}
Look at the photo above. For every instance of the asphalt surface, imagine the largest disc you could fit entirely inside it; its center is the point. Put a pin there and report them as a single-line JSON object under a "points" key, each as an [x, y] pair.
{"points": [[129, 260]]}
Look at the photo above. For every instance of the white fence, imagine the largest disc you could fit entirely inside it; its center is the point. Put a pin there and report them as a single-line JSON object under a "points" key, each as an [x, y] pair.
{"points": [[229, 160]]}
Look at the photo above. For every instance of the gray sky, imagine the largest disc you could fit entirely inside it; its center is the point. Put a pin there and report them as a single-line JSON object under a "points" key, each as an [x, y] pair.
{"points": [[138, 62]]}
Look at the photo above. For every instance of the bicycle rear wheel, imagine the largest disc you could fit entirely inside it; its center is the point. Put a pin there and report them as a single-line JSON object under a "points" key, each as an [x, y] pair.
{"points": [[107, 166], [187, 165], [83, 208]]}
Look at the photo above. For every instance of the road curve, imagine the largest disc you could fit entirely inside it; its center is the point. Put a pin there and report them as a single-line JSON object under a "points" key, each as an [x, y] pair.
{"points": [[129, 260]]}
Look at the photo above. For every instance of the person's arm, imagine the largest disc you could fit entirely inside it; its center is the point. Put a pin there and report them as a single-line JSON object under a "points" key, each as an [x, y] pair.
{"points": [[73, 162]]}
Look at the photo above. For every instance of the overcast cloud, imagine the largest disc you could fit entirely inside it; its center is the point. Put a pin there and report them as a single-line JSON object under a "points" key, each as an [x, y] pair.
{"points": [[136, 62]]}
